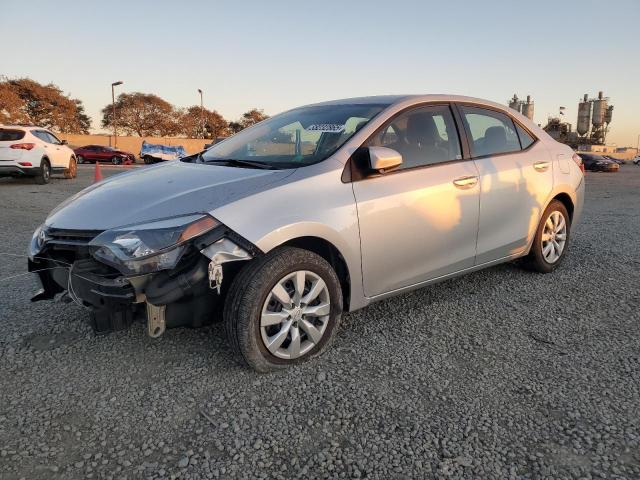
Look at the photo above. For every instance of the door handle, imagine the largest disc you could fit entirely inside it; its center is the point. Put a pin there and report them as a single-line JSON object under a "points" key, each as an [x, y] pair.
{"points": [[541, 166], [466, 182]]}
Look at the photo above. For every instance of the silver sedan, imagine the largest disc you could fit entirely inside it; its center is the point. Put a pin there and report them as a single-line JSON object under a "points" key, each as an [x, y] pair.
{"points": [[319, 210]]}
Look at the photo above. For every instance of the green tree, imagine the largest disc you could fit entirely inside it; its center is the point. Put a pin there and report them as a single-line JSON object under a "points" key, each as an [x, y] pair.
{"points": [[198, 123], [143, 114], [43, 105], [252, 117]]}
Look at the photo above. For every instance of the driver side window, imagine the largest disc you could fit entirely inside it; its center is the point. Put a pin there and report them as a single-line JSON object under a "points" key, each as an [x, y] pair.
{"points": [[423, 136]]}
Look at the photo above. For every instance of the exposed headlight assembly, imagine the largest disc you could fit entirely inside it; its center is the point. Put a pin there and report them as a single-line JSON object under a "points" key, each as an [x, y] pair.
{"points": [[150, 247], [38, 240]]}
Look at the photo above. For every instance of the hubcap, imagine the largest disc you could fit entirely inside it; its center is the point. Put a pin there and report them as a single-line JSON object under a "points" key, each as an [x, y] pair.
{"points": [[45, 171], [554, 237], [295, 315]]}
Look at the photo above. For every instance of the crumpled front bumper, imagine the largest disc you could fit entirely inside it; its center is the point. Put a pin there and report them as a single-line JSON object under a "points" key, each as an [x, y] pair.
{"points": [[183, 296]]}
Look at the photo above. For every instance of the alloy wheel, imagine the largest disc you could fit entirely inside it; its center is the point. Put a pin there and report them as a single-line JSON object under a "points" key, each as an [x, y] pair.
{"points": [[295, 315], [554, 237], [46, 172]]}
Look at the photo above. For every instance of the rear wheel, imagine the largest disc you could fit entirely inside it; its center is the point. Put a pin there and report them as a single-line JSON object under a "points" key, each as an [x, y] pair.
{"points": [[72, 170], [81, 159], [551, 240], [282, 309], [44, 174]]}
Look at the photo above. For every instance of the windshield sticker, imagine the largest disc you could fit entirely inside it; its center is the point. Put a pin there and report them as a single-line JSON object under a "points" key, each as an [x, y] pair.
{"points": [[326, 127]]}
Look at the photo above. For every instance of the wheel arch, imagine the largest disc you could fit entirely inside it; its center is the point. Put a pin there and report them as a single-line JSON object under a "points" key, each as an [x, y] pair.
{"points": [[332, 255], [567, 201]]}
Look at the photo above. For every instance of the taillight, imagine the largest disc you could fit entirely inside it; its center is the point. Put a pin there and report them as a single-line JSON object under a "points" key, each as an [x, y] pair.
{"points": [[23, 146], [25, 164], [578, 160]]}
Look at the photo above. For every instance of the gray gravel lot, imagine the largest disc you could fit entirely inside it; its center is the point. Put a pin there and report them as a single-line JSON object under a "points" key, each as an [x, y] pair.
{"points": [[499, 374]]}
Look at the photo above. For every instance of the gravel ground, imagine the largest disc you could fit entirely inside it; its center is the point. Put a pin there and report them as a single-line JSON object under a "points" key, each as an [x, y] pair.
{"points": [[499, 374]]}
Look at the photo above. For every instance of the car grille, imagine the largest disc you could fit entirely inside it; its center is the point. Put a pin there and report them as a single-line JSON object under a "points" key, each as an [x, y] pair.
{"points": [[71, 237]]}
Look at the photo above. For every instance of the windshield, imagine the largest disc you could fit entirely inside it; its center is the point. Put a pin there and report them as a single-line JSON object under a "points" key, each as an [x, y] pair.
{"points": [[295, 138]]}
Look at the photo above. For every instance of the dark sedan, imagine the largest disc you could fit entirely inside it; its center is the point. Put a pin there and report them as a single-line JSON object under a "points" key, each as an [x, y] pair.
{"points": [[100, 153], [597, 163]]}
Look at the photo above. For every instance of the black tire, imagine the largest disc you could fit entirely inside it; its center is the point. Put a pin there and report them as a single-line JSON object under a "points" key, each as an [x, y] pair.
{"points": [[535, 260], [116, 160], [72, 170], [248, 292], [44, 174], [148, 160], [80, 159]]}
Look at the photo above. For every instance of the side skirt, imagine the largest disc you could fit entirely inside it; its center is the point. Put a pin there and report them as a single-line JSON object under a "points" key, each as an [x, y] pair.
{"points": [[442, 278]]}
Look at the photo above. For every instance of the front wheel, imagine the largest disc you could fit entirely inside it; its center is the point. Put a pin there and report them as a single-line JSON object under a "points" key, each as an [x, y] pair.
{"points": [[81, 159], [282, 309], [551, 240], [116, 160]]}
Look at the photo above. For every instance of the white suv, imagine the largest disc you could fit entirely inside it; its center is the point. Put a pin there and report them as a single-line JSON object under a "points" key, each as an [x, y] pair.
{"points": [[34, 152]]}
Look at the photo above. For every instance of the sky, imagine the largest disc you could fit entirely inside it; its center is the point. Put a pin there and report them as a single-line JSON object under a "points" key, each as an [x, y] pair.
{"points": [[276, 55]]}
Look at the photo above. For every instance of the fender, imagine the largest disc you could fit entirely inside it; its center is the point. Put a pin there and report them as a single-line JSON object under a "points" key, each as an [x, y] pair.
{"points": [[315, 229]]}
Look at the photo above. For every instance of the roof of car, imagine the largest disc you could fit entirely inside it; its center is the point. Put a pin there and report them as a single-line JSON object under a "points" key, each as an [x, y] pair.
{"points": [[23, 127], [392, 99]]}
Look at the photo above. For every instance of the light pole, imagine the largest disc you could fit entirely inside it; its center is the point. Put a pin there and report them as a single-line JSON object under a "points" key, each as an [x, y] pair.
{"points": [[201, 112], [113, 106]]}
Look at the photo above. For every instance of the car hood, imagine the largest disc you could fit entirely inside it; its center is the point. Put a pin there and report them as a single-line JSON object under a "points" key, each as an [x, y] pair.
{"points": [[165, 190]]}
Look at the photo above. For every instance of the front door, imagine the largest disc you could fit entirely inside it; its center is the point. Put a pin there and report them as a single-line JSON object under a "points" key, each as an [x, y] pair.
{"points": [[516, 179], [420, 221]]}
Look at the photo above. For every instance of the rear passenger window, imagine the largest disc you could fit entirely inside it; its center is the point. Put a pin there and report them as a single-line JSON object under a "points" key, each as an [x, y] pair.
{"points": [[491, 132], [41, 135], [525, 138], [423, 136]]}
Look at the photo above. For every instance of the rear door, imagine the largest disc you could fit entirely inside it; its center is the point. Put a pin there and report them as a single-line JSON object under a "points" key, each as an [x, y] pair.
{"points": [[419, 222], [516, 179]]}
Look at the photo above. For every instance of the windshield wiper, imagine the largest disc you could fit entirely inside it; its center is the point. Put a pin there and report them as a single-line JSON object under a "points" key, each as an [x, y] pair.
{"points": [[240, 163]]}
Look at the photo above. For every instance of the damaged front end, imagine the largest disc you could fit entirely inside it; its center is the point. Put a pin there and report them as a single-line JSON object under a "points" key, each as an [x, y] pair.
{"points": [[168, 272]]}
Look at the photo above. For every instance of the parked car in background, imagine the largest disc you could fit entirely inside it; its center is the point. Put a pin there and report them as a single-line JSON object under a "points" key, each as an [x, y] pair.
{"points": [[34, 152], [597, 163], [319, 210], [152, 153], [101, 153], [636, 160], [619, 161]]}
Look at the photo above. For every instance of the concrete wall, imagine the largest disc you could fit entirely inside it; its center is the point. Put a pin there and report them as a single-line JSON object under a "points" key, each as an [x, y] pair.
{"points": [[133, 144], [615, 152]]}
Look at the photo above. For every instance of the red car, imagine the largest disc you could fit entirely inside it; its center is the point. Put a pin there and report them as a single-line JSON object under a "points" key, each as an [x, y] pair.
{"points": [[99, 153]]}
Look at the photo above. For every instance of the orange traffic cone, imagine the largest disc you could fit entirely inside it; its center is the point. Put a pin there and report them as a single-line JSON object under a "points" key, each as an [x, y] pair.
{"points": [[97, 176]]}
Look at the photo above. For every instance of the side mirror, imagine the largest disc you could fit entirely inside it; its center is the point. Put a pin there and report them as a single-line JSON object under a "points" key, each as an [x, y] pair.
{"points": [[383, 159], [63, 142]]}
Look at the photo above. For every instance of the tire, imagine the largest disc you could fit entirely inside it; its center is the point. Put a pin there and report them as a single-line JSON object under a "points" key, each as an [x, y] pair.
{"points": [[72, 171], [147, 159], [251, 294], [116, 160], [81, 159], [538, 260], [44, 175]]}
